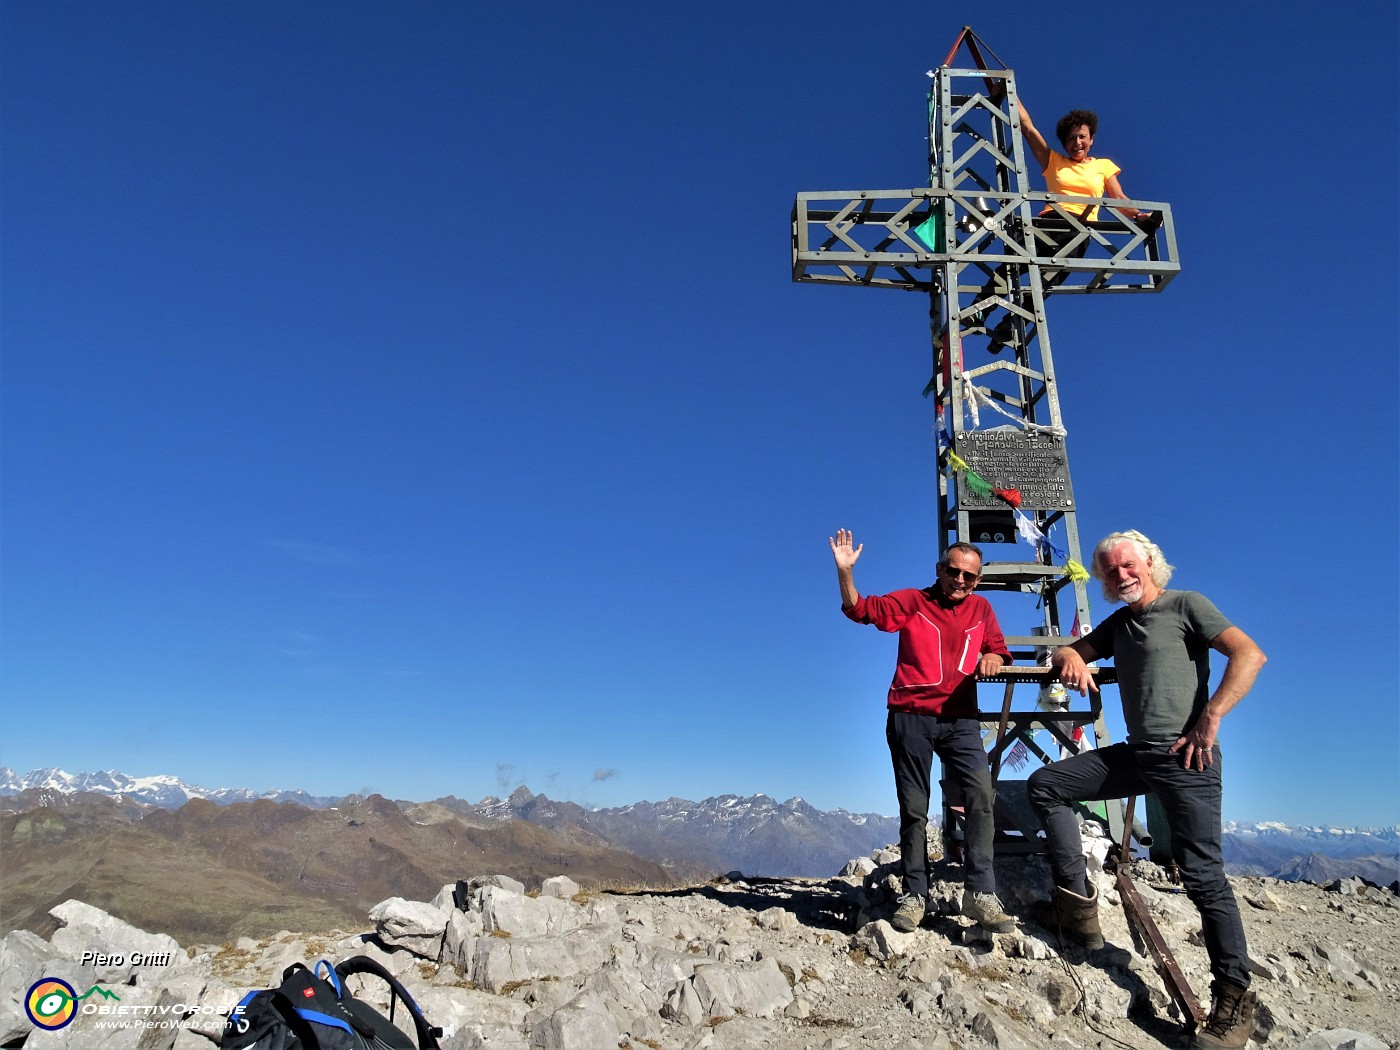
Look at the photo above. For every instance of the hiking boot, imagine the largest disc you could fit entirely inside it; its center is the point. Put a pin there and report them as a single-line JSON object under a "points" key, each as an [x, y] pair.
{"points": [[1075, 917], [909, 913], [1004, 335], [985, 910], [1231, 1020]]}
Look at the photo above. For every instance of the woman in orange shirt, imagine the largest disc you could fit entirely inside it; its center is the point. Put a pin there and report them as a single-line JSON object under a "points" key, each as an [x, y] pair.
{"points": [[1074, 172]]}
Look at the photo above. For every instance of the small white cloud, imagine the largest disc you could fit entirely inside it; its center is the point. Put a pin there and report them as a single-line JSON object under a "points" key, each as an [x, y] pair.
{"points": [[604, 774]]}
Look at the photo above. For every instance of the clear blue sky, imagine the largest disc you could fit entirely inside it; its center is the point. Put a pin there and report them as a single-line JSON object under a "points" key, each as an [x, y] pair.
{"points": [[414, 397]]}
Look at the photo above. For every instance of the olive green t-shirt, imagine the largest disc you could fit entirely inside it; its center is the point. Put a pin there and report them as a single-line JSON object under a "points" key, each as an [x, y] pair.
{"points": [[1162, 656]]}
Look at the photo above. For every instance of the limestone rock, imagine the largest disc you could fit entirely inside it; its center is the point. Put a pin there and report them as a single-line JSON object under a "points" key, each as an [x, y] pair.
{"points": [[776, 919], [514, 914], [487, 1037], [142, 1019], [560, 886], [1000, 1032], [498, 962], [24, 958], [799, 1008], [459, 940], [584, 1021], [445, 899], [459, 1008], [415, 926], [722, 990], [683, 1004], [881, 941], [780, 965], [1341, 1039], [124, 948], [858, 868]]}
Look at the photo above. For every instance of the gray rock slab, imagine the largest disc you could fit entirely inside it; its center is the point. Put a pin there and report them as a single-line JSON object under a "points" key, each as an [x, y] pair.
{"points": [[461, 1008], [754, 990], [415, 926], [117, 949], [25, 957], [560, 886], [583, 1022], [142, 1019], [881, 941], [499, 961], [459, 942], [487, 1037], [503, 911], [1342, 1039]]}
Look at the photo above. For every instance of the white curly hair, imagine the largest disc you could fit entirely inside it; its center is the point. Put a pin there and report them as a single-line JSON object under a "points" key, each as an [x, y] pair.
{"points": [[1146, 549]]}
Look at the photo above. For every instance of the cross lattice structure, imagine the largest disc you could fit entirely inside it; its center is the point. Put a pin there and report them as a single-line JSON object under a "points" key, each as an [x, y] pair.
{"points": [[989, 251]]}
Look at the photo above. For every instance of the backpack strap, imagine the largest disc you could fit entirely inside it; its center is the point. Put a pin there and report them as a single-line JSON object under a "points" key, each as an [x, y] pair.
{"points": [[331, 976], [427, 1034], [299, 1027], [298, 979]]}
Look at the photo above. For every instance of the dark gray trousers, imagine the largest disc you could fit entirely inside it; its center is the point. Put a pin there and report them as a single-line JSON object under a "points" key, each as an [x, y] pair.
{"points": [[914, 739], [1191, 800]]}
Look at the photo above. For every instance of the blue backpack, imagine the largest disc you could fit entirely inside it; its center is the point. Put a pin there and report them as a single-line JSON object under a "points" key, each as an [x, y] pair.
{"points": [[312, 1010]]}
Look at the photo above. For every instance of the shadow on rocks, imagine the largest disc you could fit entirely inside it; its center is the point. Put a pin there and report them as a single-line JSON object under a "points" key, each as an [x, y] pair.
{"points": [[1147, 1005], [820, 905]]}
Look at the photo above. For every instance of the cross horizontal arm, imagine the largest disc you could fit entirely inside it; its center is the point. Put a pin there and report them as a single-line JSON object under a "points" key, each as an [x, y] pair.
{"points": [[896, 238]]}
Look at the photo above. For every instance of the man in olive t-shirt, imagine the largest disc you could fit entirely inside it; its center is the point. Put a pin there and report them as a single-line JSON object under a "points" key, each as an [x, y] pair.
{"points": [[1160, 644]]}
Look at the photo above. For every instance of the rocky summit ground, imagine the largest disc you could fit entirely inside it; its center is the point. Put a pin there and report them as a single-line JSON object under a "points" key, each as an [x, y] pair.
{"points": [[760, 964]]}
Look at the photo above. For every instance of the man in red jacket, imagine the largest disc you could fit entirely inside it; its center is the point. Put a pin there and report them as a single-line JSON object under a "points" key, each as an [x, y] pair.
{"points": [[947, 635]]}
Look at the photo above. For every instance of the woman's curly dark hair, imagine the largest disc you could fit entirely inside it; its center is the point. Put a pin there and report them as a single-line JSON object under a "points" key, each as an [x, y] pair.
{"points": [[1073, 119]]}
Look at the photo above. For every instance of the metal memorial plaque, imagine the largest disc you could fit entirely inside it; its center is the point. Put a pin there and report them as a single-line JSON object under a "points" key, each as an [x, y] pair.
{"points": [[1009, 458]]}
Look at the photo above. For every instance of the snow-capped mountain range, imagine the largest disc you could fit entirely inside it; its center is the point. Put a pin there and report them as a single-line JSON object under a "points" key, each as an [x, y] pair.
{"points": [[164, 791], [1323, 837], [758, 834], [1317, 854]]}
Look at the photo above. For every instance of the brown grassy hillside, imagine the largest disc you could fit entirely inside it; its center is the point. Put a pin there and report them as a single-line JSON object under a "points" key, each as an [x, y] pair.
{"points": [[207, 873]]}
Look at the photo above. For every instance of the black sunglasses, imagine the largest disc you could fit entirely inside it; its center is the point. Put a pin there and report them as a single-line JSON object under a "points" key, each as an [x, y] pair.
{"points": [[960, 574]]}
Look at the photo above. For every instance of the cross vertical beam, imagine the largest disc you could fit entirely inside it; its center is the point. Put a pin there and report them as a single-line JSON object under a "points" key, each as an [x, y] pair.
{"points": [[989, 251]]}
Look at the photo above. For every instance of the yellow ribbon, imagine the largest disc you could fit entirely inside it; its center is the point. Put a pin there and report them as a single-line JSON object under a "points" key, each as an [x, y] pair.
{"points": [[1076, 572]]}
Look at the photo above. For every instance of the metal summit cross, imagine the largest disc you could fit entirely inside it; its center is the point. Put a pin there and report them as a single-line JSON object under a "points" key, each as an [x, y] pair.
{"points": [[989, 252]]}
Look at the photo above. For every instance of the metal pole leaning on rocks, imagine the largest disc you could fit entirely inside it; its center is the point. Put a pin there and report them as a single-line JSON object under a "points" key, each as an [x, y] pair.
{"points": [[1140, 919], [989, 252]]}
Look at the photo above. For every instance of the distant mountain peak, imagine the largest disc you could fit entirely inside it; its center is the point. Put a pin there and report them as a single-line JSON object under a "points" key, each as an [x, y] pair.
{"points": [[162, 789], [754, 834]]}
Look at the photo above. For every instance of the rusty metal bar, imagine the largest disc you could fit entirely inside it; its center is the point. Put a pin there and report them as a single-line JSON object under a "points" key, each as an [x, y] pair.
{"points": [[1140, 919]]}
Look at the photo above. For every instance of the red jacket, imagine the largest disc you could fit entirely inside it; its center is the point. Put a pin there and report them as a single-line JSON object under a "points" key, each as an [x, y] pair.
{"points": [[940, 643]]}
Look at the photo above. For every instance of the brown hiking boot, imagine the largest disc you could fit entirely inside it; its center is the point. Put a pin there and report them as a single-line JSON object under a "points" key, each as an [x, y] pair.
{"points": [[909, 913], [985, 910], [1075, 917], [1231, 1020]]}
